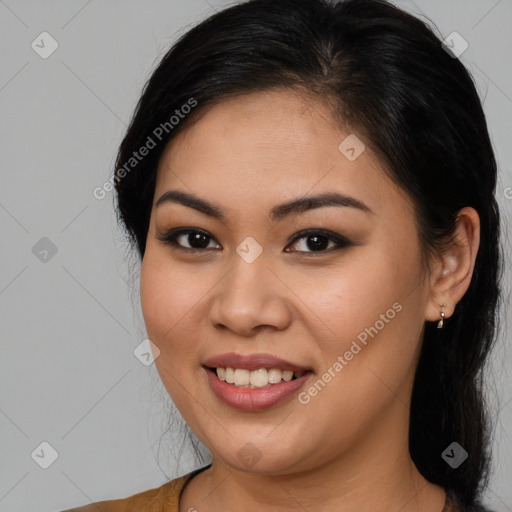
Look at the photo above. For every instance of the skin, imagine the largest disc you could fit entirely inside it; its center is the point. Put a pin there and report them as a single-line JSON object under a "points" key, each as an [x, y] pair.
{"points": [[347, 449]]}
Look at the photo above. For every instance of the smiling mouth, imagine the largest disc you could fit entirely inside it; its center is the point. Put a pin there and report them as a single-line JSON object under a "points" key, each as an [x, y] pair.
{"points": [[255, 379]]}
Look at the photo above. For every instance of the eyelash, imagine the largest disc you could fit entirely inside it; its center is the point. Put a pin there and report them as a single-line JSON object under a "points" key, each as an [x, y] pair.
{"points": [[170, 238]]}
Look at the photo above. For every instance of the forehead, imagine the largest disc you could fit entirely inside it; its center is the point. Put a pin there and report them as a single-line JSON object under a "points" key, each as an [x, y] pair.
{"points": [[266, 147]]}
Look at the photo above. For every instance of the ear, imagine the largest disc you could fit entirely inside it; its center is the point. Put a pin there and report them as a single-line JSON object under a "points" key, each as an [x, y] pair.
{"points": [[452, 272]]}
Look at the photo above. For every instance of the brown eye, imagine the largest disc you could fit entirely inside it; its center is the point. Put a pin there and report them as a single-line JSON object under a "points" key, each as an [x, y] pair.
{"points": [[318, 241], [197, 240]]}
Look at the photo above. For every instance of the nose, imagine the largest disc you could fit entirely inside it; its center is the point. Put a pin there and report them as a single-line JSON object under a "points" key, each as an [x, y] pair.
{"points": [[250, 298]]}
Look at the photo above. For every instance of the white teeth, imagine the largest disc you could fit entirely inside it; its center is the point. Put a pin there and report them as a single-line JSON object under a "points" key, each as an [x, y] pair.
{"points": [[274, 376], [287, 375], [259, 378], [230, 375], [241, 377]]}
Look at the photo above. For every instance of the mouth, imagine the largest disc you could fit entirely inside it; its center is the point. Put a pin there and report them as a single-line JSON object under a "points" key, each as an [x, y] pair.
{"points": [[254, 382]]}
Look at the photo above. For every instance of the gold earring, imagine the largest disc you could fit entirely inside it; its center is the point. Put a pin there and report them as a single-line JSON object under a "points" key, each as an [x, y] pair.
{"points": [[441, 322]]}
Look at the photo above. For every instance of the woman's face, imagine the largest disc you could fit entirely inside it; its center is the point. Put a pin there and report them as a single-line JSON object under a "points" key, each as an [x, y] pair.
{"points": [[345, 302]]}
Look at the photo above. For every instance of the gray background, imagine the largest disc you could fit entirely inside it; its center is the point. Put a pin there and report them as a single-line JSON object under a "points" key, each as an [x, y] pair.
{"points": [[70, 323]]}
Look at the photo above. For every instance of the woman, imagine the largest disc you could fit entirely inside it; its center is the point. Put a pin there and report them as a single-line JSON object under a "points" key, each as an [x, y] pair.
{"points": [[310, 188]]}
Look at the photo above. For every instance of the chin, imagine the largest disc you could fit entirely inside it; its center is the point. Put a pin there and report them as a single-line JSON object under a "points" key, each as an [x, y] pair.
{"points": [[260, 457]]}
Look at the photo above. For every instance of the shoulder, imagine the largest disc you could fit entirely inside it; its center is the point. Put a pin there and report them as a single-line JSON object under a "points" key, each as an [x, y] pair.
{"points": [[165, 497]]}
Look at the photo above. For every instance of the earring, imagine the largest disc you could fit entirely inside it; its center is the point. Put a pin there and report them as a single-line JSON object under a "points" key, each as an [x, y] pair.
{"points": [[441, 322]]}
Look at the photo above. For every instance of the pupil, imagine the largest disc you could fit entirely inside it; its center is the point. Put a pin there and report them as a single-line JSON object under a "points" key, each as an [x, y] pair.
{"points": [[319, 242], [199, 239]]}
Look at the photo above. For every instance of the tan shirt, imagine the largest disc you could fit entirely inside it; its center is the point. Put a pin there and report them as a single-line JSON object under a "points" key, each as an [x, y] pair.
{"points": [[166, 498], [160, 499]]}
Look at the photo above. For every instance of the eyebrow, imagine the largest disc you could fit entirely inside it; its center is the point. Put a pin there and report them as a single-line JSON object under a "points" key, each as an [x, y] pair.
{"points": [[277, 213]]}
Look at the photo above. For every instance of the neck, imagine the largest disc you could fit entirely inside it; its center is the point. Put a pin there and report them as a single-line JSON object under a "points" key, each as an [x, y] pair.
{"points": [[378, 475]]}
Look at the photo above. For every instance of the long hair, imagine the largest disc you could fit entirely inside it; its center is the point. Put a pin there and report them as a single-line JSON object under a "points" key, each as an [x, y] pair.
{"points": [[386, 76]]}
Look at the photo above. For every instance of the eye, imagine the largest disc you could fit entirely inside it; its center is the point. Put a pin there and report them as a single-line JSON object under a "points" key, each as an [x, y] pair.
{"points": [[317, 241], [196, 239], [308, 241]]}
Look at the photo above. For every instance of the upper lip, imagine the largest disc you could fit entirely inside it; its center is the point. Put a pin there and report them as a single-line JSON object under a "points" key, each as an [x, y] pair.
{"points": [[252, 362]]}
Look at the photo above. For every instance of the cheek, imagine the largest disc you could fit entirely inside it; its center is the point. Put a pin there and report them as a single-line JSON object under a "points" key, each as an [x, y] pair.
{"points": [[352, 294], [371, 308], [169, 295]]}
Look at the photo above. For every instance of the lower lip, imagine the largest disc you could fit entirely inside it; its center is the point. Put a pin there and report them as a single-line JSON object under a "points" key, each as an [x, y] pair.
{"points": [[255, 399]]}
